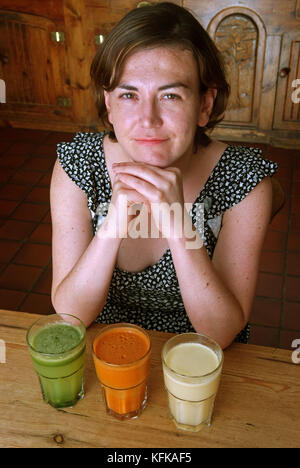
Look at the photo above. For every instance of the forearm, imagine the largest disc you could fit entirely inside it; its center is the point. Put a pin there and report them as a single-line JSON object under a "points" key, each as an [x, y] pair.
{"points": [[83, 292], [210, 305]]}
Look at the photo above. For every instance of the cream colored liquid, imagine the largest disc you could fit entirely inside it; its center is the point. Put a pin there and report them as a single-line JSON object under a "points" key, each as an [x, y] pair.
{"points": [[190, 398]]}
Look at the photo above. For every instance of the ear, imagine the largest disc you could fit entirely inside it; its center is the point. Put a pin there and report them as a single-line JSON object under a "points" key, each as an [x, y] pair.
{"points": [[206, 106], [107, 103]]}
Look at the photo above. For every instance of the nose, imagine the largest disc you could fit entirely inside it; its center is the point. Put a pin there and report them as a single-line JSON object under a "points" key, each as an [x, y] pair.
{"points": [[150, 115]]}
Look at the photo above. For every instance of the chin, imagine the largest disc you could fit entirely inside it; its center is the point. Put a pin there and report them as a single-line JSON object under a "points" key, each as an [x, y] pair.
{"points": [[156, 161]]}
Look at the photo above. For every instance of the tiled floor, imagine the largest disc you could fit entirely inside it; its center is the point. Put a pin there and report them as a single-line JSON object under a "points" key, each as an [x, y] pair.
{"points": [[26, 161]]}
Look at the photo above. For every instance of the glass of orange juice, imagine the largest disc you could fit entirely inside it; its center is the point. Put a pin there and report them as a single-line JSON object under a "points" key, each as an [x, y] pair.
{"points": [[121, 354]]}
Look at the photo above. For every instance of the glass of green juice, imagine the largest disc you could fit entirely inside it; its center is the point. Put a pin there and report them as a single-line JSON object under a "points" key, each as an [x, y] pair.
{"points": [[57, 347]]}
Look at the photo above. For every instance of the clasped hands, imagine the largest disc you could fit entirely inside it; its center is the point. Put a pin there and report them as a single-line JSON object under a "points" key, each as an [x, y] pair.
{"points": [[158, 190]]}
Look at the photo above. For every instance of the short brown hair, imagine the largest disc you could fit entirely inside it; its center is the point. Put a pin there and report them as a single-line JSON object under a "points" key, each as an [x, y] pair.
{"points": [[159, 24]]}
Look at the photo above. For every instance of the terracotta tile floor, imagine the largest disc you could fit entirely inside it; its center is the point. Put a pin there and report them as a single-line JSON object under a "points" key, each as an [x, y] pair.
{"points": [[26, 161]]}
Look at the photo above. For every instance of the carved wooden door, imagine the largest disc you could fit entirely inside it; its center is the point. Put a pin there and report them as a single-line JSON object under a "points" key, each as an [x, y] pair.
{"points": [[240, 35], [287, 110], [33, 69]]}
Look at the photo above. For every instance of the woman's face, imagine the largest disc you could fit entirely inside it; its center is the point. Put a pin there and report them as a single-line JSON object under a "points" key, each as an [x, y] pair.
{"points": [[156, 107]]}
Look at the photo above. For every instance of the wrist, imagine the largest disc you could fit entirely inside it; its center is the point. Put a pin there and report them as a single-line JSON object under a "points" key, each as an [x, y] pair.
{"points": [[109, 229], [189, 238]]}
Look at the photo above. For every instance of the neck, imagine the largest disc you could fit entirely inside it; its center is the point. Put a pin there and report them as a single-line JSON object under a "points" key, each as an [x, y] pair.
{"points": [[185, 163]]}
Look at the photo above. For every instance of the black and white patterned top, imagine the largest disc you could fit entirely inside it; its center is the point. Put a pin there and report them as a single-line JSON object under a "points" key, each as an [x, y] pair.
{"points": [[151, 298]]}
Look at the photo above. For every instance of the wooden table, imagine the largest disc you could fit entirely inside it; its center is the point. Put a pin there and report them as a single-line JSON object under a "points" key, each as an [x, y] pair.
{"points": [[258, 404]]}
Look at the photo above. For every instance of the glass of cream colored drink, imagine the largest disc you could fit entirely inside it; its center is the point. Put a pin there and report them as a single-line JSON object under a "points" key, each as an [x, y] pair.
{"points": [[192, 366]]}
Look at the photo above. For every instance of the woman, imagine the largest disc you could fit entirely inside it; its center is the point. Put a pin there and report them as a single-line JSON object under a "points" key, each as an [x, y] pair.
{"points": [[160, 85]]}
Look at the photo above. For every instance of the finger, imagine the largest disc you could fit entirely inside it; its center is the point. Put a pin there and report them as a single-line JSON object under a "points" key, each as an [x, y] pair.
{"points": [[145, 181], [146, 189], [131, 195], [155, 175]]}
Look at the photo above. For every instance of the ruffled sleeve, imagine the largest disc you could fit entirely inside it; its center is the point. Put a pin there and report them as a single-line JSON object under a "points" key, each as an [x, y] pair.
{"points": [[76, 158], [238, 172]]}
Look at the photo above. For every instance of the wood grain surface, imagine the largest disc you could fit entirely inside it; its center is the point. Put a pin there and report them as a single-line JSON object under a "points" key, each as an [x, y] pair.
{"points": [[257, 405]]}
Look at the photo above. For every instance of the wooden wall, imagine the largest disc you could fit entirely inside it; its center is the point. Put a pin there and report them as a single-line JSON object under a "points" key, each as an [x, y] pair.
{"points": [[48, 82]]}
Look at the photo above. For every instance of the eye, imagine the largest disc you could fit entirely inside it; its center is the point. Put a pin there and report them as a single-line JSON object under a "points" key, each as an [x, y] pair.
{"points": [[171, 97], [127, 96]]}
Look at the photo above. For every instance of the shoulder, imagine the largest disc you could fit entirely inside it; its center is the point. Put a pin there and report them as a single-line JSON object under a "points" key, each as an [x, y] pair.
{"points": [[82, 143], [244, 159], [62, 185], [77, 157], [257, 200], [239, 170]]}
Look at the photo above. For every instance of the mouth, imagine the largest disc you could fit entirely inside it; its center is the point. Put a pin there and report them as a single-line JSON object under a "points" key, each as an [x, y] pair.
{"points": [[150, 141]]}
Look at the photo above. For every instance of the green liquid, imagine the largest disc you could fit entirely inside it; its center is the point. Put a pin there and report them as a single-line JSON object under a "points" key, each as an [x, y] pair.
{"points": [[56, 339], [58, 356]]}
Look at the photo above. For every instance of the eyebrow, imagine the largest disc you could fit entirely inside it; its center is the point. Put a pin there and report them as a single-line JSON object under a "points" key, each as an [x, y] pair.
{"points": [[176, 84]]}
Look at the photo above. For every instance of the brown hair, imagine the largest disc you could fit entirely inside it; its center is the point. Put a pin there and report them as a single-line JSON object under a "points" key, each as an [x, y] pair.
{"points": [[159, 24]]}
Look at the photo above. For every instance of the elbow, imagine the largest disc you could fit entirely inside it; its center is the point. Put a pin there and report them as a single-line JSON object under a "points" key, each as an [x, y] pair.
{"points": [[228, 340], [53, 300], [222, 337], [225, 343], [83, 312], [56, 303]]}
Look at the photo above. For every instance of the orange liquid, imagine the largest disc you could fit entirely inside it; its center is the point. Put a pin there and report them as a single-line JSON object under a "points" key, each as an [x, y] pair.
{"points": [[121, 346], [122, 362]]}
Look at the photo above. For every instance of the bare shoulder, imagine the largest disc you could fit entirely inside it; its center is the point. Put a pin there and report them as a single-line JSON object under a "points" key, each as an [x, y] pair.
{"points": [[60, 180], [257, 205], [65, 195]]}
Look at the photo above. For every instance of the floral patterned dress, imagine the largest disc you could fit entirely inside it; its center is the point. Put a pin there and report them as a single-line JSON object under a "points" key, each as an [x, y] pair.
{"points": [[151, 298]]}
